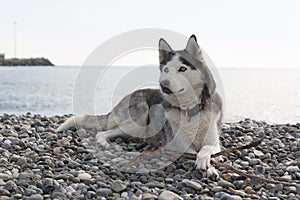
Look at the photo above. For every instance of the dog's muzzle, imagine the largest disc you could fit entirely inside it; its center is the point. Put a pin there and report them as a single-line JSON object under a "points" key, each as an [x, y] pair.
{"points": [[165, 90], [165, 87]]}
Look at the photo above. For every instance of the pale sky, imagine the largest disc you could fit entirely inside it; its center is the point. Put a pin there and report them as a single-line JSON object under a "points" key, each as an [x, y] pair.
{"points": [[234, 33]]}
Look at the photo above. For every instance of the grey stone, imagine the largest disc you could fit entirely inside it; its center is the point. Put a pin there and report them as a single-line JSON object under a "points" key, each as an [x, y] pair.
{"points": [[4, 192], [286, 178], [217, 189], [169, 180], [70, 189], [104, 192], [291, 189], [84, 176], [5, 177], [29, 192], [149, 196], [254, 161], [24, 175], [155, 184], [119, 186], [226, 196], [192, 184], [292, 169], [21, 161], [260, 170], [36, 197], [10, 186], [58, 195], [40, 129], [225, 184], [168, 195], [270, 186], [278, 187]]}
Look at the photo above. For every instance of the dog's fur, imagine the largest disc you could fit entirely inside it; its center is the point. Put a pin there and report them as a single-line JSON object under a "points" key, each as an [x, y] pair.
{"points": [[184, 115]]}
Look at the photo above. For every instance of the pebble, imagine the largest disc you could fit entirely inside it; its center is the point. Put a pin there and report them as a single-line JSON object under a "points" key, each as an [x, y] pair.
{"points": [[168, 195], [248, 189], [119, 186], [258, 153], [225, 184], [4, 192], [192, 184], [149, 196], [105, 192], [292, 169], [10, 186], [84, 176], [36, 197], [5, 177], [226, 196], [278, 187]]}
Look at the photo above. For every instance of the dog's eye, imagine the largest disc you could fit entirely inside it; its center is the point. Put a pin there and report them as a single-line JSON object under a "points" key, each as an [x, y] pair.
{"points": [[166, 70], [182, 69]]}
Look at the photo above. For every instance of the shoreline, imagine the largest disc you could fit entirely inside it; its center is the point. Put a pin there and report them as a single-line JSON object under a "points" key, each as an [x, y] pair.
{"points": [[14, 62], [39, 163]]}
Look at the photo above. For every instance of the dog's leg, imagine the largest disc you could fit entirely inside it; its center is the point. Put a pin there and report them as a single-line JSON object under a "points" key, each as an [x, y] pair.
{"points": [[85, 121], [103, 138], [127, 131], [211, 146], [203, 160]]}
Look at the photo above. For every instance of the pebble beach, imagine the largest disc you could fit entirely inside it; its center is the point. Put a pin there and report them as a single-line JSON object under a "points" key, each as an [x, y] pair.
{"points": [[37, 163]]}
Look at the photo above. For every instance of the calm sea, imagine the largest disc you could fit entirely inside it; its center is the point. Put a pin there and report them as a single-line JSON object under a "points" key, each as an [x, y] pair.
{"points": [[271, 95]]}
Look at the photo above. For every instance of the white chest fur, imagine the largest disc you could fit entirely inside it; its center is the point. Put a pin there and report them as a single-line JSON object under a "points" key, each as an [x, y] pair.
{"points": [[189, 135]]}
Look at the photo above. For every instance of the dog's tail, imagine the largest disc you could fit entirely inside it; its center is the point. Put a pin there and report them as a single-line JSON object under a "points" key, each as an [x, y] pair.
{"points": [[85, 121]]}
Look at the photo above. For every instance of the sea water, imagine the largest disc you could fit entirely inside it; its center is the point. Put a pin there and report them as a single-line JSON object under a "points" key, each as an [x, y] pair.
{"points": [[271, 95]]}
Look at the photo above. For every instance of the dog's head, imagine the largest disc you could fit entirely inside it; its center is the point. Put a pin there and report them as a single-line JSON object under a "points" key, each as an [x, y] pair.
{"points": [[184, 78]]}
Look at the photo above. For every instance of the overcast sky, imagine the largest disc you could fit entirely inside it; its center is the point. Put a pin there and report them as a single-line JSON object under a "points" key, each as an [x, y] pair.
{"points": [[234, 33]]}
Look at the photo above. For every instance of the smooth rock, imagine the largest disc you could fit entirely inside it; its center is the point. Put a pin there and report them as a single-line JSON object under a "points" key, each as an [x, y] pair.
{"points": [[5, 177], [226, 196], [105, 192], [225, 184], [4, 192], [292, 169], [192, 184], [36, 197], [84, 176], [168, 195], [119, 186], [149, 196]]}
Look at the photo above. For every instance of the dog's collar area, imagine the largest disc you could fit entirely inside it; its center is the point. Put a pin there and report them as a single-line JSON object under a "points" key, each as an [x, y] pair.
{"points": [[193, 111], [190, 112]]}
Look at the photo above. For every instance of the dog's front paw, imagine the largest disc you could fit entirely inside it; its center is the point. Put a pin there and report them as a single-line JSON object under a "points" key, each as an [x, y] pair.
{"points": [[203, 164], [102, 141]]}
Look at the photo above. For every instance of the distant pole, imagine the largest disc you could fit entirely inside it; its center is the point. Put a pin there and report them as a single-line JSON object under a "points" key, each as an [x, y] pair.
{"points": [[15, 38]]}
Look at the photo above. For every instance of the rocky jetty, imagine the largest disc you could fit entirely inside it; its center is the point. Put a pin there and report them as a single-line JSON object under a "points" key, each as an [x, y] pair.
{"points": [[38, 163], [25, 62]]}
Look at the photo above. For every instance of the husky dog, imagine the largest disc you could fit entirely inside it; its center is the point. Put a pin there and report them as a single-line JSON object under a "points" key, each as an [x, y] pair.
{"points": [[185, 114]]}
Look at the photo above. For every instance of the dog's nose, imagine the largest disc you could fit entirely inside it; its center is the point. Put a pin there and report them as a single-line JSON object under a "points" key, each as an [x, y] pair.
{"points": [[165, 87], [165, 83]]}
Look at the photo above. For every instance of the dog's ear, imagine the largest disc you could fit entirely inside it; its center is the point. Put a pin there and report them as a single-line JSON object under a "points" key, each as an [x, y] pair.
{"points": [[193, 48], [165, 51]]}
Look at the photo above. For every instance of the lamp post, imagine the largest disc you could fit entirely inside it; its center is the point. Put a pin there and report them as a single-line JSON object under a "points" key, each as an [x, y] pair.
{"points": [[15, 39]]}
